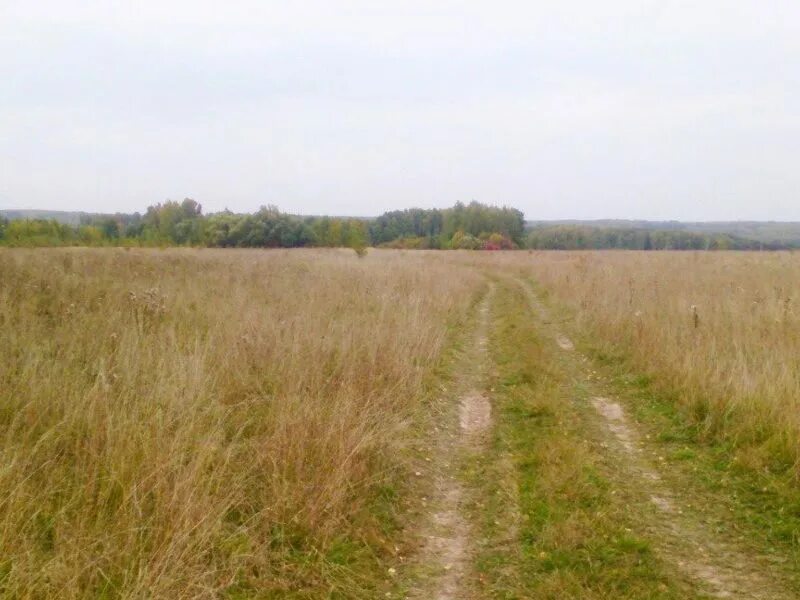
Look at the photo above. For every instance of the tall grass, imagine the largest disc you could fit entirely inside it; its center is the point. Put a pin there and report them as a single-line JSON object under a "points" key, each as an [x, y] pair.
{"points": [[232, 423], [720, 329], [202, 423]]}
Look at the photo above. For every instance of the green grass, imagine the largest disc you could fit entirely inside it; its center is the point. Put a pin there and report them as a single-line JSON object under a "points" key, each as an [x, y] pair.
{"points": [[761, 504], [552, 523]]}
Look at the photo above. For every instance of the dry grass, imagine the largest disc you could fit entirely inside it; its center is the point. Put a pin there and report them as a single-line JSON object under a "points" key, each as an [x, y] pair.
{"points": [[722, 329], [195, 423], [211, 423]]}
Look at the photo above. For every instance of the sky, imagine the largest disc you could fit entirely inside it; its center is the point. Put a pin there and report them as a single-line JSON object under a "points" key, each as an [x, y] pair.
{"points": [[578, 109]]}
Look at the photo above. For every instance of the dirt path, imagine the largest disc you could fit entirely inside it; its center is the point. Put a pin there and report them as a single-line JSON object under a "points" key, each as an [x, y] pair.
{"points": [[444, 565], [716, 562]]}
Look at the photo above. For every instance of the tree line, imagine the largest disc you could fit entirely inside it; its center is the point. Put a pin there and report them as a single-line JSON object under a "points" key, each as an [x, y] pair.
{"points": [[474, 226]]}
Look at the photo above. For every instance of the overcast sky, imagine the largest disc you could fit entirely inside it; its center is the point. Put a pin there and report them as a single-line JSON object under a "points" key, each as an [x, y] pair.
{"points": [[565, 109]]}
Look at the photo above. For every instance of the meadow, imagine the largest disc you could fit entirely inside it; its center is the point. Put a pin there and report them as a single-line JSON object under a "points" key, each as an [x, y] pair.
{"points": [[205, 423], [208, 423]]}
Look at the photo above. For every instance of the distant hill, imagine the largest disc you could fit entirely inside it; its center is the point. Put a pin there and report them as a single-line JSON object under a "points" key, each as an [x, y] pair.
{"points": [[774, 233], [62, 216]]}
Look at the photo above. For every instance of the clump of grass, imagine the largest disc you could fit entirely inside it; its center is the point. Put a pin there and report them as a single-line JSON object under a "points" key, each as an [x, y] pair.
{"points": [[187, 423]]}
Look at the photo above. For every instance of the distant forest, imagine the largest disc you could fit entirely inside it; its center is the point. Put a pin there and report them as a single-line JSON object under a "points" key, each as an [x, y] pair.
{"points": [[771, 233], [472, 226], [578, 237]]}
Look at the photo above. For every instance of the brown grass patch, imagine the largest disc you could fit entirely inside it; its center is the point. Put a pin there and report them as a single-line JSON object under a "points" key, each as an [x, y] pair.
{"points": [[186, 423]]}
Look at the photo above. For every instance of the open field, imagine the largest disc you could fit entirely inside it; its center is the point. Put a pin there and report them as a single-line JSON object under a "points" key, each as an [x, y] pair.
{"points": [[721, 330], [310, 424]]}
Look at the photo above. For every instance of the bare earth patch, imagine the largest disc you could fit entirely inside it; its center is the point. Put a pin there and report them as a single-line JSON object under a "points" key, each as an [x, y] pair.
{"points": [[564, 342], [475, 413]]}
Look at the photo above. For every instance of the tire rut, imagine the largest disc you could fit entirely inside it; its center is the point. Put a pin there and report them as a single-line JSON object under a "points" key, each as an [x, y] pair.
{"points": [[715, 562], [445, 558]]}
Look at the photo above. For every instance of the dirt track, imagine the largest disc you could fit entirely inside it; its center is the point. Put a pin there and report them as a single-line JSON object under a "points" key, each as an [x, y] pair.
{"points": [[719, 565]]}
